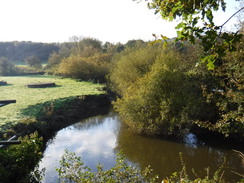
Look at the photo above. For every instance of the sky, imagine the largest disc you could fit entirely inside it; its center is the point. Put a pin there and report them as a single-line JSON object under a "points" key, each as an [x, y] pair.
{"points": [[106, 20]]}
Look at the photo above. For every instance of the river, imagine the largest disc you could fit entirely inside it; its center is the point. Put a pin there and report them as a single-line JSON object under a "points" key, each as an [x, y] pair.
{"points": [[100, 138]]}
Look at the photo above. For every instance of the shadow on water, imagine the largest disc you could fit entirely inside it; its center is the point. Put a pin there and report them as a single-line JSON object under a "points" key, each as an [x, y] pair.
{"points": [[98, 140]]}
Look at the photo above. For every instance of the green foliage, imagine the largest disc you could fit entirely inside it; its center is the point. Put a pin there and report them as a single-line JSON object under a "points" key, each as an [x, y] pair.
{"points": [[34, 61], [183, 177], [197, 22], [86, 47], [56, 57], [17, 161], [84, 59], [228, 93], [18, 51], [166, 100], [86, 68], [130, 65], [164, 93], [6, 67], [72, 169], [112, 48]]}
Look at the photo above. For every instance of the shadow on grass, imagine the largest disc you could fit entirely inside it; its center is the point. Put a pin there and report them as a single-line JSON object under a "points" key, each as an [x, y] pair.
{"points": [[6, 85], [55, 86]]}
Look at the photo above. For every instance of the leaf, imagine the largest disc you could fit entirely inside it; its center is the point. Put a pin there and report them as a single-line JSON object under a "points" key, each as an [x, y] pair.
{"points": [[210, 59], [180, 25], [209, 15], [164, 37]]}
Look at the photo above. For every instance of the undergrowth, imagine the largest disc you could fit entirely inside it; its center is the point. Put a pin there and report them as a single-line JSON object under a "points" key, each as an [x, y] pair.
{"points": [[72, 169]]}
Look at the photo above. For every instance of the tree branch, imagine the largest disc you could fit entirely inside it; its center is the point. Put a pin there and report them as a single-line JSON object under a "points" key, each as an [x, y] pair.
{"points": [[221, 27]]}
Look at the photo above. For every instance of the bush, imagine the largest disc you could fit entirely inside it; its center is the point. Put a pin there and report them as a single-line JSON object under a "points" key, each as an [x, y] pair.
{"points": [[167, 100], [17, 161], [90, 68], [130, 65], [227, 94], [72, 169], [34, 62], [7, 68]]}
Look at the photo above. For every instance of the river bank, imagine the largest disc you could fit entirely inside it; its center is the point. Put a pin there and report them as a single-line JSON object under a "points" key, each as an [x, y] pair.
{"points": [[61, 113], [54, 119], [55, 116]]}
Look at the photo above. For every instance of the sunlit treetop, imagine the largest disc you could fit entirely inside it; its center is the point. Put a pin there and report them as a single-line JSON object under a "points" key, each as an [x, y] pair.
{"points": [[197, 23]]}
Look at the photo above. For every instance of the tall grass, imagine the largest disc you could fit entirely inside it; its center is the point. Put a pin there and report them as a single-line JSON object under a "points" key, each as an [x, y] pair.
{"points": [[25, 96]]}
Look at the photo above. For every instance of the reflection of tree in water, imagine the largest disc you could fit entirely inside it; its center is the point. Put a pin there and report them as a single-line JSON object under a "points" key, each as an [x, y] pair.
{"points": [[163, 155], [93, 121]]}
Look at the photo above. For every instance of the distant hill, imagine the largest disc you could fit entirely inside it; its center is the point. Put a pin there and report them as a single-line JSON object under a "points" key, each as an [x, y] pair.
{"points": [[18, 51]]}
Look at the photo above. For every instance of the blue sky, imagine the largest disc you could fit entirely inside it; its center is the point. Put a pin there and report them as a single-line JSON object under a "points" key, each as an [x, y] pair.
{"points": [[107, 20]]}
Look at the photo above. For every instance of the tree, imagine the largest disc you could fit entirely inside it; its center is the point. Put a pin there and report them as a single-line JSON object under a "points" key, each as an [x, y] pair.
{"points": [[86, 68], [6, 67], [33, 61], [197, 23], [131, 64], [86, 47], [167, 99]]}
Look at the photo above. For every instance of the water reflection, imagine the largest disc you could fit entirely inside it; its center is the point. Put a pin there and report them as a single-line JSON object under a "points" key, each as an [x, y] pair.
{"points": [[93, 139], [163, 155], [98, 139]]}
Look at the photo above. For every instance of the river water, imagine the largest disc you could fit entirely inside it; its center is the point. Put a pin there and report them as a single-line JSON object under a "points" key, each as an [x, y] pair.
{"points": [[100, 138]]}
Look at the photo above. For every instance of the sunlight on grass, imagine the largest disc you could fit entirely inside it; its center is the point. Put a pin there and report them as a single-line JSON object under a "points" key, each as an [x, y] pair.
{"points": [[25, 96]]}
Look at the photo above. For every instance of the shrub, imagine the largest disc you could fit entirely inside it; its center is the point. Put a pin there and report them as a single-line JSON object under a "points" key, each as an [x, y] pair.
{"points": [[130, 65], [7, 68], [227, 94], [90, 68], [72, 169], [17, 161], [34, 62], [166, 100]]}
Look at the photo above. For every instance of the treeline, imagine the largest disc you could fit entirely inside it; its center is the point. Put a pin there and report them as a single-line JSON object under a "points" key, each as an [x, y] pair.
{"points": [[19, 51], [86, 59], [161, 91]]}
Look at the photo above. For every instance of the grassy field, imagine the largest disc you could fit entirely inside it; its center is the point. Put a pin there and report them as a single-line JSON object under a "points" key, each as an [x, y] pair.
{"points": [[25, 96]]}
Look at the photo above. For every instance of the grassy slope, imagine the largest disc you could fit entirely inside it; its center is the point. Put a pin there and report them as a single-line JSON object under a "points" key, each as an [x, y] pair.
{"points": [[25, 97]]}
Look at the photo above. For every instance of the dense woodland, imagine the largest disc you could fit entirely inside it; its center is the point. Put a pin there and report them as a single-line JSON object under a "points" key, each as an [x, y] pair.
{"points": [[19, 51]]}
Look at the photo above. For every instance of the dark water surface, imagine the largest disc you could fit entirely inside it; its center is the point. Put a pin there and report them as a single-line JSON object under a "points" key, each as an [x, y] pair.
{"points": [[99, 139]]}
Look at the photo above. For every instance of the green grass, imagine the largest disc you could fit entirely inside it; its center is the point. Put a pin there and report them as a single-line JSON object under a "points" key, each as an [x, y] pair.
{"points": [[26, 97]]}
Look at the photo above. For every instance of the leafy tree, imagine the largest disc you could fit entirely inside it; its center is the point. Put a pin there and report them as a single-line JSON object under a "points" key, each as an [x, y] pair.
{"points": [[167, 99], [134, 43], [6, 67], [130, 65], [227, 94], [197, 22], [18, 51], [112, 48], [56, 57], [86, 47], [86, 68], [33, 61]]}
